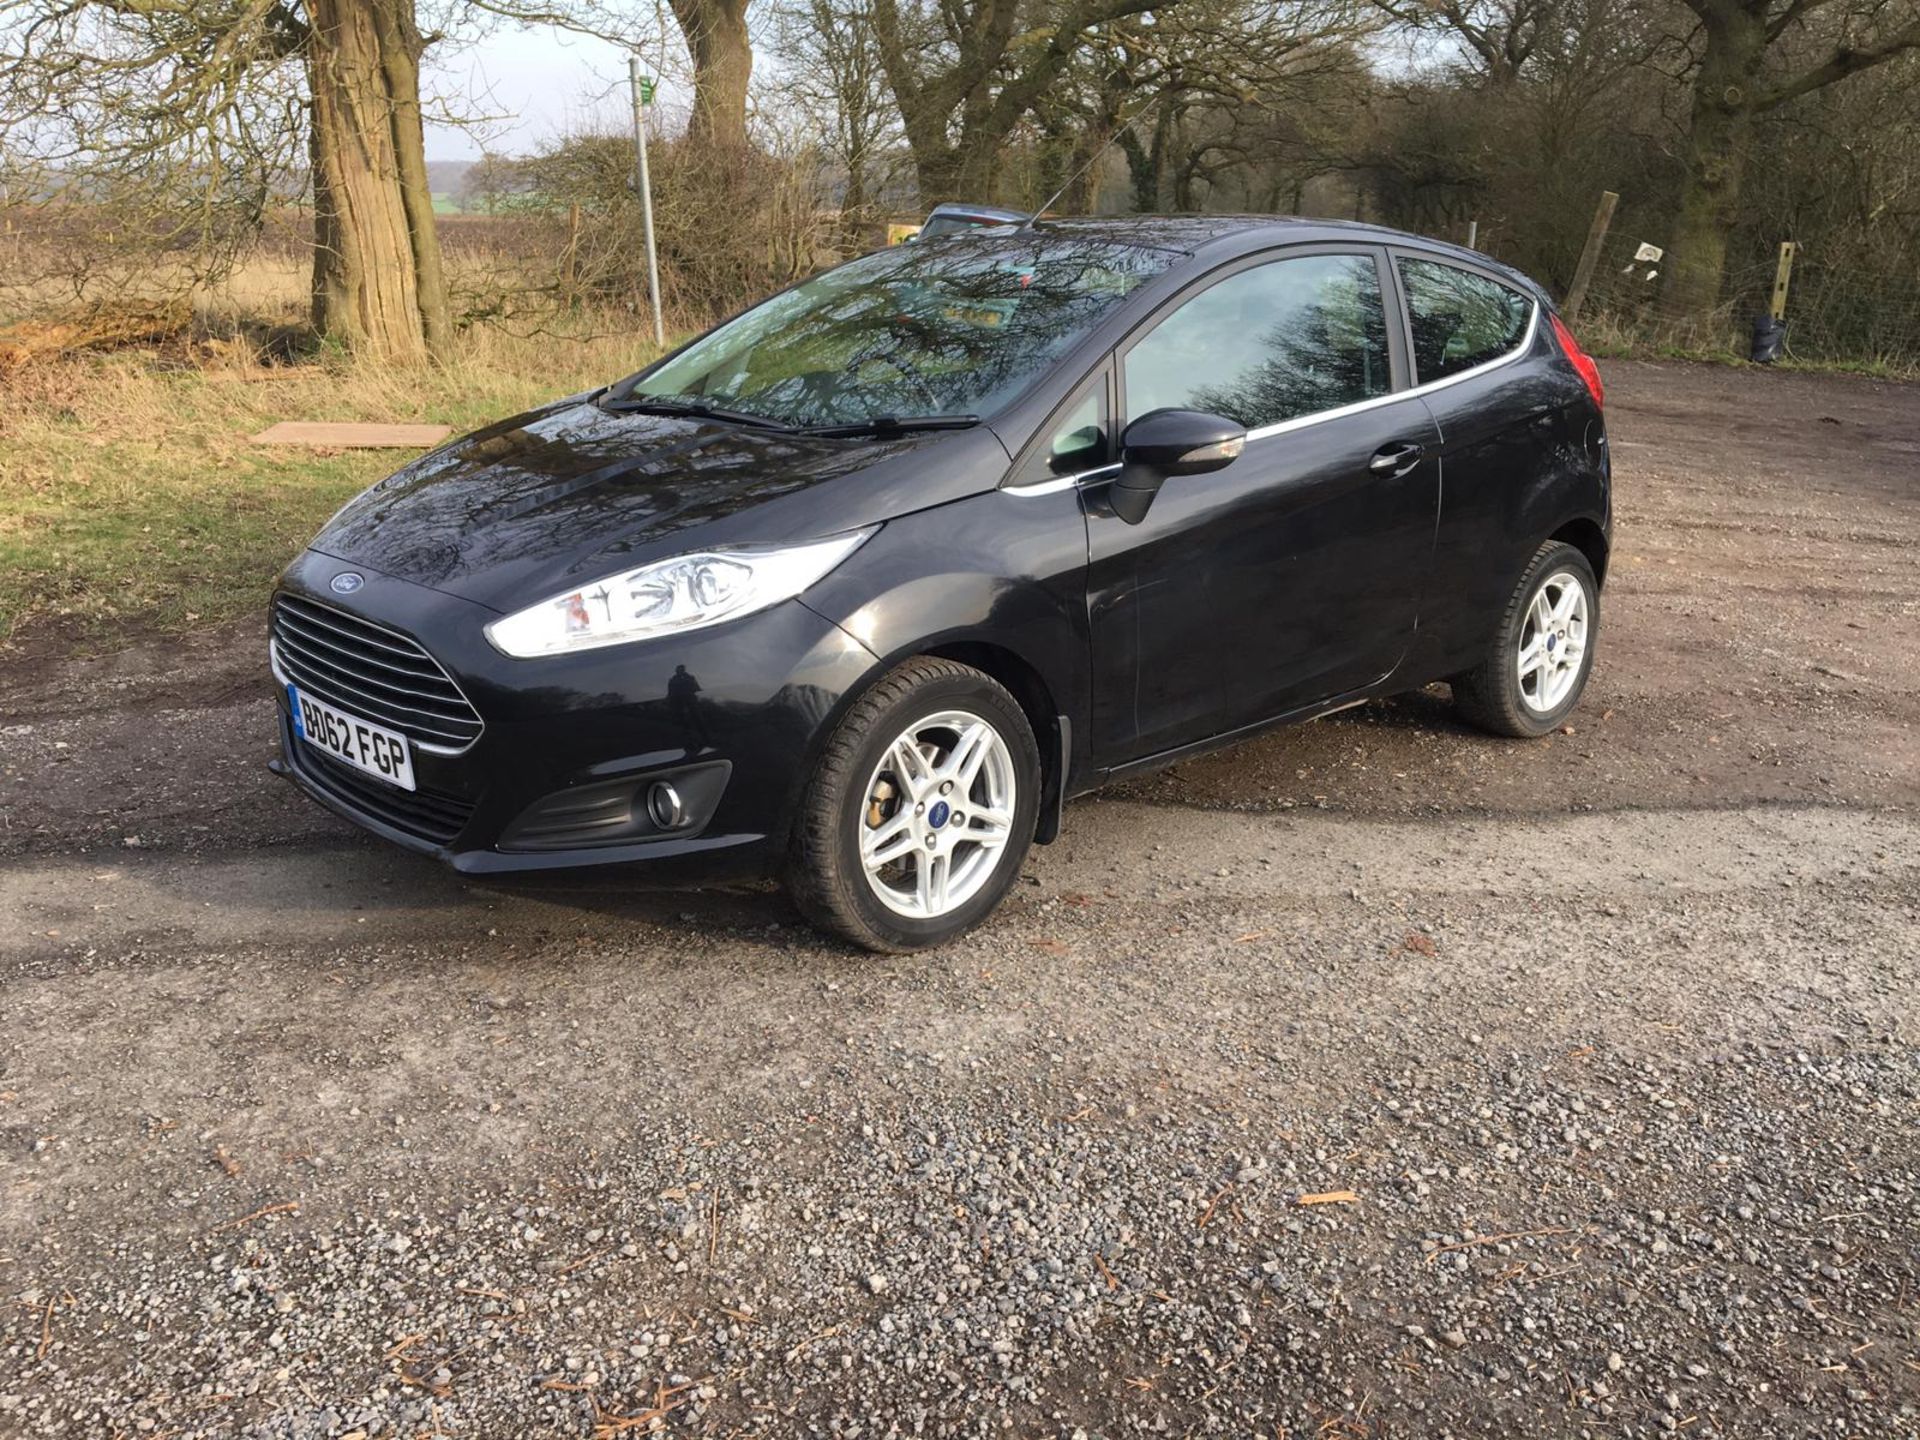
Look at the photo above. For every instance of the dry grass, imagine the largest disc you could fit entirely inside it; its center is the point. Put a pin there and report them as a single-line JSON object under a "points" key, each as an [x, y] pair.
{"points": [[131, 501]]}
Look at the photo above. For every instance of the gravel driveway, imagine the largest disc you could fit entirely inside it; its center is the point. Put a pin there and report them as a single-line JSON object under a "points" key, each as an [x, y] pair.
{"points": [[1374, 1079]]}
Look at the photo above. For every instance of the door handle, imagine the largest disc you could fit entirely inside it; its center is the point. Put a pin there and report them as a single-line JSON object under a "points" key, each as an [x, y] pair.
{"points": [[1396, 459]]}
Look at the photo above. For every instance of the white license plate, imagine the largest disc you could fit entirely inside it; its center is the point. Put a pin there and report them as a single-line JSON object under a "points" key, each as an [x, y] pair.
{"points": [[381, 752]]}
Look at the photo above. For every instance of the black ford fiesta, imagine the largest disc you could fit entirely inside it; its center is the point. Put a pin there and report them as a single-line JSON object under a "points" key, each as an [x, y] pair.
{"points": [[858, 588]]}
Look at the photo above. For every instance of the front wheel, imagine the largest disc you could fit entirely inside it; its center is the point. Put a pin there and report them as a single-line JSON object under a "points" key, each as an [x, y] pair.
{"points": [[920, 812], [1537, 665]]}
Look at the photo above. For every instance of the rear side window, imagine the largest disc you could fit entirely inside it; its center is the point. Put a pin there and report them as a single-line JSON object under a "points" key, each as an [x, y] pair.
{"points": [[1460, 319], [1281, 340]]}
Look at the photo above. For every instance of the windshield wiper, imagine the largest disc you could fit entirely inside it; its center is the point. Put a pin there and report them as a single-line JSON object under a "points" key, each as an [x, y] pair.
{"points": [[894, 425], [689, 405]]}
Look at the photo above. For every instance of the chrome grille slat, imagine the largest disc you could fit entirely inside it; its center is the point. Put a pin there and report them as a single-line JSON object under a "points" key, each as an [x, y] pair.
{"points": [[372, 671], [300, 629], [372, 707], [451, 708], [333, 620]]}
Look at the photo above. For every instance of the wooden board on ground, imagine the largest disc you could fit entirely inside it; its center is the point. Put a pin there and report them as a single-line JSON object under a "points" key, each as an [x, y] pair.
{"points": [[327, 435]]}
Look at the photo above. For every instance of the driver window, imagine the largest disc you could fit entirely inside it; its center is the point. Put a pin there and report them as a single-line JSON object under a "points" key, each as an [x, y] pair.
{"points": [[1278, 341]]}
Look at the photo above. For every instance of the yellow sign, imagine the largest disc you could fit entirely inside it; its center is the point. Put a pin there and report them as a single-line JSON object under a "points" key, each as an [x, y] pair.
{"points": [[900, 234]]}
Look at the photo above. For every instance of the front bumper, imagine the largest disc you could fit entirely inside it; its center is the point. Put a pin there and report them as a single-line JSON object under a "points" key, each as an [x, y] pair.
{"points": [[576, 733]]}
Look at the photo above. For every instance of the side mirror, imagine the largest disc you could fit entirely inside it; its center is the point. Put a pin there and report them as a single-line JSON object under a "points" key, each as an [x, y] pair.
{"points": [[1170, 442]]}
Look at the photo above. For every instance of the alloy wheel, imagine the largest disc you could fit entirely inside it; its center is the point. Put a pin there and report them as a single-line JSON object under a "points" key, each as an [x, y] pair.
{"points": [[1553, 642], [937, 814]]}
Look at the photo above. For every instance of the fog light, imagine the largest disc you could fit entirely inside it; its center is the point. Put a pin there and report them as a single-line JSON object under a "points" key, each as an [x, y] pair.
{"points": [[663, 804], [675, 805]]}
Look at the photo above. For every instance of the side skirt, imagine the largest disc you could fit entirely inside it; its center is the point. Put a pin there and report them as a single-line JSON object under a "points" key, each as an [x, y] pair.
{"points": [[1316, 711]]}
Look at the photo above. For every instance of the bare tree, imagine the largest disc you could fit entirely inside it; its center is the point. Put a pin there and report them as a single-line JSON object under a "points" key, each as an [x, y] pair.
{"points": [[834, 77], [1500, 35], [1751, 57], [966, 73], [722, 51], [213, 106], [1227, 96], [489, 181], [213, 96], [1519, 124], [173, 132]]}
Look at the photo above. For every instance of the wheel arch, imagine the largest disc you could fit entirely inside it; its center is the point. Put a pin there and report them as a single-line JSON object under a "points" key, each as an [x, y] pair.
{"points": [[1022, 679], [1051, 727], [1007, 596], [1586, 536]]}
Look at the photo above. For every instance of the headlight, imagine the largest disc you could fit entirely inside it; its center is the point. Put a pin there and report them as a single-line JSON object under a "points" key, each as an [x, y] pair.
{"points": [[684, 593]]}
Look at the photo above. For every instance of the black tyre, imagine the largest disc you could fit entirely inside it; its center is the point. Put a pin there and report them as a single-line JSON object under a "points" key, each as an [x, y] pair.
{"points": [[920, 811], [1537, 665]]}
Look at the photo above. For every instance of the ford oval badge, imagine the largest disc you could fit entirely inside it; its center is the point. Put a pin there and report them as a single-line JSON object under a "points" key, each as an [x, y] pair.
{"points": [[348, 581]]}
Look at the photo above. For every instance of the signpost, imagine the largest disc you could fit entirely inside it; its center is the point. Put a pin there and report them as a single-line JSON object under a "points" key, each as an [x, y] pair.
{"points": [[1782, 275], [643, 97]]}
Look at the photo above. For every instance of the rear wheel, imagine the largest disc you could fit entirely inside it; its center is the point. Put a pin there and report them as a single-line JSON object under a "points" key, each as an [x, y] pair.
{"points": [[920, 812], [1536, 668]]}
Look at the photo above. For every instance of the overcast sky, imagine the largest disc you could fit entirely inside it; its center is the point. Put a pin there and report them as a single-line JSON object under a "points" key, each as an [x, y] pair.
{"points": [[527, 86]]}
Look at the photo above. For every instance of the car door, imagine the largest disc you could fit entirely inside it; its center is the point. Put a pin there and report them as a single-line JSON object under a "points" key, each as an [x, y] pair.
{"points": [[1290, 576], [1487, 373]]}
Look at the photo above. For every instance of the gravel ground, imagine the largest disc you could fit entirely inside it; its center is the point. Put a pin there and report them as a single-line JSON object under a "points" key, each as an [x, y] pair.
{"points": [[1384, 1081]]}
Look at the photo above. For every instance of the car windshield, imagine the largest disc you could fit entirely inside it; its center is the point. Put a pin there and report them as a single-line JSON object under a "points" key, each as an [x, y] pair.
{"points": [[957, 328]]}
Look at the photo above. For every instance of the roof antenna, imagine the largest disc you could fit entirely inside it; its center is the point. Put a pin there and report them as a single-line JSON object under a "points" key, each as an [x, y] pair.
{"points": [[1119, 129]]}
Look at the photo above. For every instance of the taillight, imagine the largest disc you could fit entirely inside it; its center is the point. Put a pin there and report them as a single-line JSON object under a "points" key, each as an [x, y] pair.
{"points": [[1580, 360]]}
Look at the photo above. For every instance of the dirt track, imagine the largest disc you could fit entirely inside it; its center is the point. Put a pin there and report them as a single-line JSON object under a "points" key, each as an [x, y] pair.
{"points": [[1612, 1037]]}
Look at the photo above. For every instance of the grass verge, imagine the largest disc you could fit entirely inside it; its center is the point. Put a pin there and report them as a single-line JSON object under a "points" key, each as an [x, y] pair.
{"points": [[131, 502]]}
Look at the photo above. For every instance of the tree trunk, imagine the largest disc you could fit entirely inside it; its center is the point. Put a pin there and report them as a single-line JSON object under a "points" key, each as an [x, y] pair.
{"points": [[854, 204], [937, 171], [378, 286], [1095, 138], [1717, 136], [1086, 190], [965, 170], [1148, 163], [1140, 172], [716, 36], [980, 165]]}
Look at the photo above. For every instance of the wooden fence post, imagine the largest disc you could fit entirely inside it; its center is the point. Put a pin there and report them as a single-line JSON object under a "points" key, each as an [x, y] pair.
{"points": [[1590, 256]]}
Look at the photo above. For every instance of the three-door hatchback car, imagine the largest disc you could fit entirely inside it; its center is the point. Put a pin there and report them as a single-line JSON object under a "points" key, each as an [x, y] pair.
{"points": [[859, 587]]}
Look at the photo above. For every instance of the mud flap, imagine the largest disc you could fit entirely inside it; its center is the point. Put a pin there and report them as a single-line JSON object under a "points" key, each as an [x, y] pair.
{"points": [[1053, 791]]}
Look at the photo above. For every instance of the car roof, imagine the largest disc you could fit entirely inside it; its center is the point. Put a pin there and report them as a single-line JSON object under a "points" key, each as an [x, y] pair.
{"points": [[1222, 237]]}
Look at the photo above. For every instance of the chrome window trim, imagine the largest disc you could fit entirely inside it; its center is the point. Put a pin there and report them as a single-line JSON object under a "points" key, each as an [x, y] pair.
{"points": [[1055, 484], [1300, 422], [1375, 402]]}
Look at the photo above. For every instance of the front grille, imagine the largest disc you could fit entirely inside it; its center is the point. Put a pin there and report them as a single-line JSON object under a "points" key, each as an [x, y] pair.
{"points": [[373, 672], [431, 815]]}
